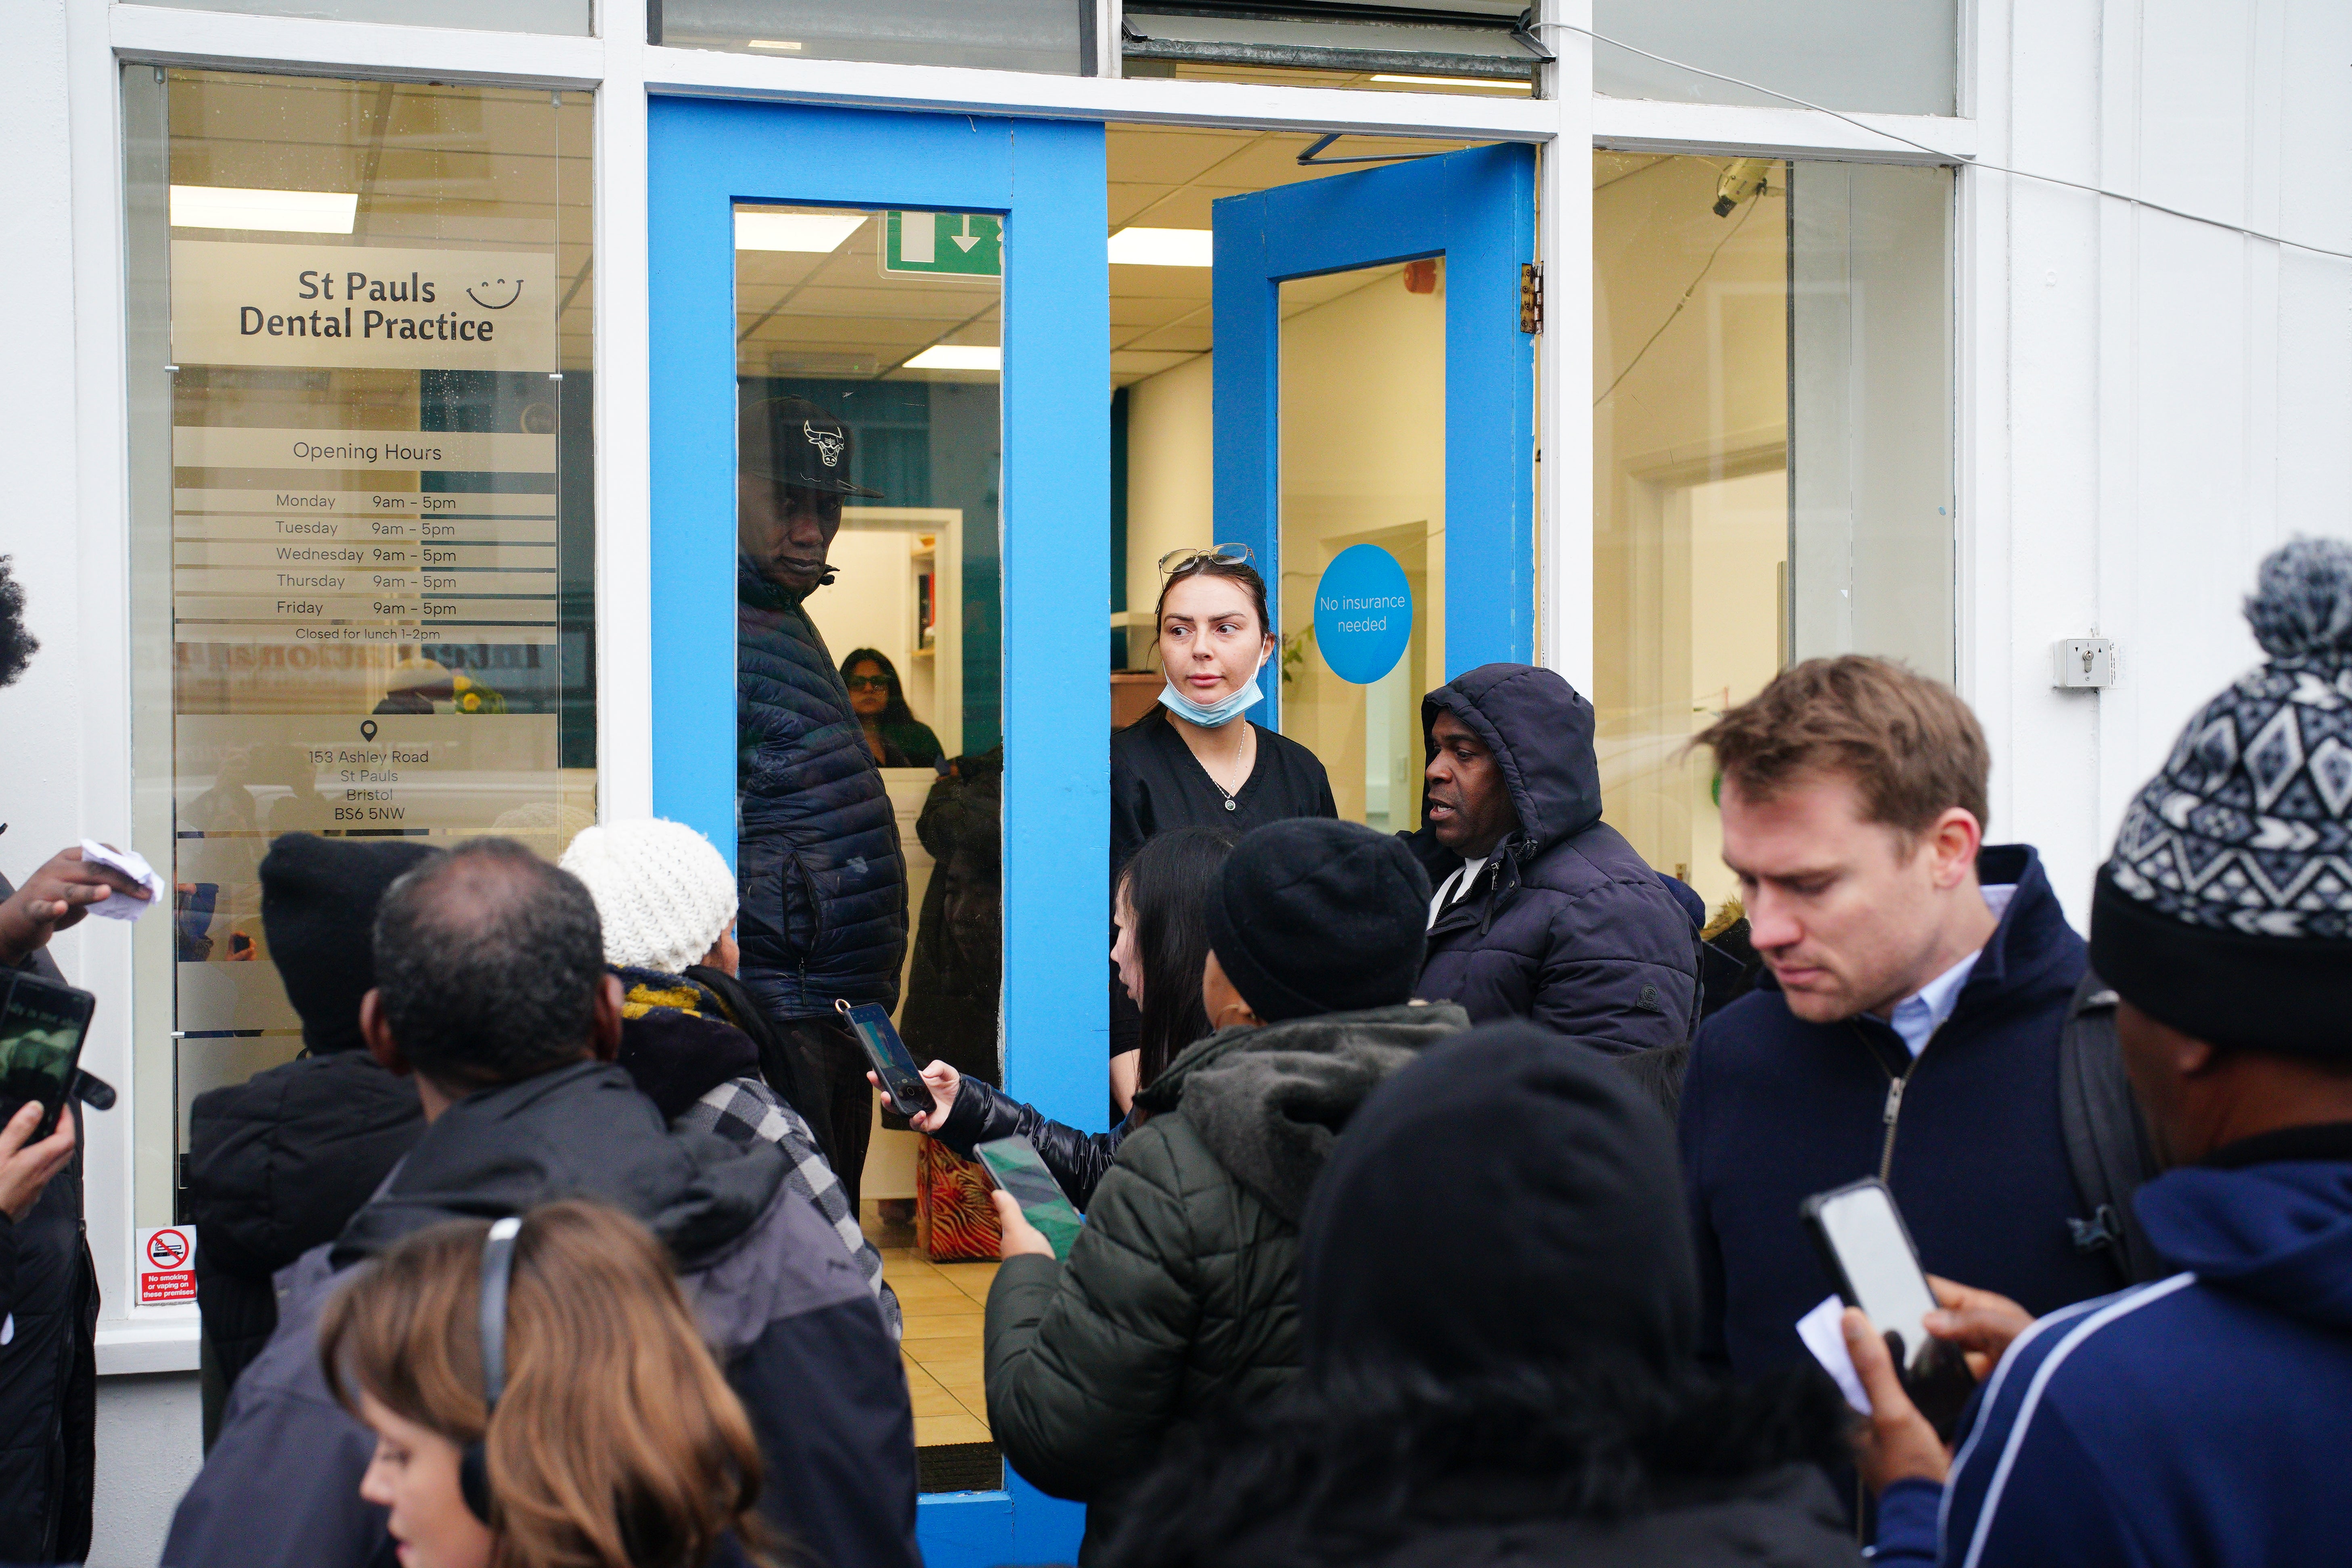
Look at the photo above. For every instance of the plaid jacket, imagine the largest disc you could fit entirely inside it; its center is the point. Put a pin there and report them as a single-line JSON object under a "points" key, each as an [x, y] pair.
{"points": [[745, 1110]]}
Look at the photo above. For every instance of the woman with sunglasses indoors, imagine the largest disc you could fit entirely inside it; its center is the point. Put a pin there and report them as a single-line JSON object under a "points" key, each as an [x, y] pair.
{"points": [[1195, 761], [896, 737]]}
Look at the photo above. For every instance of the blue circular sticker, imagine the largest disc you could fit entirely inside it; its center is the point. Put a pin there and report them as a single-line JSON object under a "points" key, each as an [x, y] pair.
{"points": [[1363, 614]]}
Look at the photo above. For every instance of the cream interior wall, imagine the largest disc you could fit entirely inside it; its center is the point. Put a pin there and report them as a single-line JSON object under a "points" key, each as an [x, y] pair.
{"points": [[1170, 477], [1689, 506]]}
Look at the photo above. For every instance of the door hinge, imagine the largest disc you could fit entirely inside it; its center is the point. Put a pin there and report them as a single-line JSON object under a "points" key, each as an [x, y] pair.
{"points": [[1531, 297]]}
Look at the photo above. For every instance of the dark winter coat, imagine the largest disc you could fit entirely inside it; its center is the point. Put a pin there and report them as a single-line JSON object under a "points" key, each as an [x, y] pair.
{"points": [[48, 1371], [1498, 1310], [984, 1113], [822, 887], [1180, 1297], [2201, 1421], [1597, 1475], [951, 1011], [1571, 929], [276, 1165], [1968, 1135], [785, 1308]]}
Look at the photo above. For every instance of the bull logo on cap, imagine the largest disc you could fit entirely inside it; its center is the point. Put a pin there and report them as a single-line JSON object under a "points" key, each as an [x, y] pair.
{"points": [[828, 443]]}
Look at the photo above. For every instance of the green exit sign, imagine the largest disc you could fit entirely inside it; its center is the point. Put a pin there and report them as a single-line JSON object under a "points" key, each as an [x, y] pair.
{"points": [[930, 245]]}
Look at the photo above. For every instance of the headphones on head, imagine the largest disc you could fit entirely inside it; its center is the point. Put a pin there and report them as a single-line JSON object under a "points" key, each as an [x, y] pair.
{"points": [[498, 1273]]}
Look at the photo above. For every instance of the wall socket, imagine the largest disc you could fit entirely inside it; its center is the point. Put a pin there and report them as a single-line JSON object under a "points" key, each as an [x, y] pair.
{"points": [[2082, 661]]}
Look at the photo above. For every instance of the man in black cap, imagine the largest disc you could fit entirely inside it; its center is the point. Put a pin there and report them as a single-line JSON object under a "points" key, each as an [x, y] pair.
{"points": [[824, 886], [278, 1163]]}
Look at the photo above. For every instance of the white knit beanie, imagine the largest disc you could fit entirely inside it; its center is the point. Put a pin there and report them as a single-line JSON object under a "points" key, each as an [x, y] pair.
{"points": [[665, 895]]}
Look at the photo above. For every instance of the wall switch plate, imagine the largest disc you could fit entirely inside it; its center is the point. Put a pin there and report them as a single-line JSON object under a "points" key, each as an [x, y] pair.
{"points": [[2082, 661]]}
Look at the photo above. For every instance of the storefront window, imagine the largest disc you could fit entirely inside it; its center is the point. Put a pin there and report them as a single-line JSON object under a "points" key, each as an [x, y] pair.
{"points": [[1772, 453], [1848, 54], [870, 760], [363, 511], [1054, 36], [499, 16]]}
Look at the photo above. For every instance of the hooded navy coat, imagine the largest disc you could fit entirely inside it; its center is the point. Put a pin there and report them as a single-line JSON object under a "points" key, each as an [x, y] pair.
{"points": [[2202, 1419], [1572, 929], [824, 885]]}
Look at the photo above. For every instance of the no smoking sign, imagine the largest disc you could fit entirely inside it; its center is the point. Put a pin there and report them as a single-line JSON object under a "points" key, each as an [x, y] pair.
{"points": [[167, 1271]]}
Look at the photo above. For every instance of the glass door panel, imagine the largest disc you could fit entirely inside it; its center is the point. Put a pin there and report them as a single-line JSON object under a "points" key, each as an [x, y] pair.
{"points": [[1363, 464]]}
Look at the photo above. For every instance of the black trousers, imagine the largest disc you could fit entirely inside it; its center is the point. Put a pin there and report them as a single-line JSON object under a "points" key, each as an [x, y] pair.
{"points": [[836, 1071]]}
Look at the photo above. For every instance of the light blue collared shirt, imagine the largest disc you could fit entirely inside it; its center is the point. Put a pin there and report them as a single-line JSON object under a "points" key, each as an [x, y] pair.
{"points": [[1918, 1016]]}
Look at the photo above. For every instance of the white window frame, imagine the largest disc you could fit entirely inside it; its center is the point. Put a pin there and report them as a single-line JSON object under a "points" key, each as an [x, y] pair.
{"points": [[622, 70]]}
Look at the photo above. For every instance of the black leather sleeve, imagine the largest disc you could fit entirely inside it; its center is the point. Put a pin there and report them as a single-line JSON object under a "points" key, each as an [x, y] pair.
{"points": [[982, 1114]]}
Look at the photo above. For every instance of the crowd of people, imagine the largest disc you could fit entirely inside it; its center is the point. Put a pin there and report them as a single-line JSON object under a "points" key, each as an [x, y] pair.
{"points": [[1450, 1217]]}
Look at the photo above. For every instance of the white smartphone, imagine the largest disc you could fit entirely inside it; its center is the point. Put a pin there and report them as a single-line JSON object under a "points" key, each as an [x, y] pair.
{"points": [[1868, 1251]]}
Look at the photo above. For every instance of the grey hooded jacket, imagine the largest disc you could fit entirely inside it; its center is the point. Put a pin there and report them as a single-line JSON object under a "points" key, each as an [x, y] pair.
{"points": [[786, 1312], [1570, 927], [1179, 1297]]}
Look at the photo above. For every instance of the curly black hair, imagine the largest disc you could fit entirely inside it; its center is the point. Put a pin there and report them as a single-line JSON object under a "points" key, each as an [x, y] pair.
{"points": [[17, 645]]}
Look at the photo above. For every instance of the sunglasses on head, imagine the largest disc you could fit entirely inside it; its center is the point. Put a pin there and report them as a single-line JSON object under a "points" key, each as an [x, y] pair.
{"points": [[1176, 561]]}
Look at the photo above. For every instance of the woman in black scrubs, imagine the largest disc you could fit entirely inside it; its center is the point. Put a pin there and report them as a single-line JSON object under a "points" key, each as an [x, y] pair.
{"points": [[1194, 761]]}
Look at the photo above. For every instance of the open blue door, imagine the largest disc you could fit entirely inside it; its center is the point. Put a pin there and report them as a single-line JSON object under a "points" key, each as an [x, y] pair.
{"points": [[1476, 212], [843, 273]]}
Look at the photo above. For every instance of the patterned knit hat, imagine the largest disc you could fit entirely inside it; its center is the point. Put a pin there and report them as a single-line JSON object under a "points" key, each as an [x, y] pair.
{"points": [[2226, 909], [665, 895]]}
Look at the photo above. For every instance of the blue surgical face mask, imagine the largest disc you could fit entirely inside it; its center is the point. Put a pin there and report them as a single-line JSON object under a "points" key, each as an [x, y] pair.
{"points": [[1214, 715]]}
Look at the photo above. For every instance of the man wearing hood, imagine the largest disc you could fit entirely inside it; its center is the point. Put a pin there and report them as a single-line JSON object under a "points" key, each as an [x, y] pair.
{"points": [[1180, 1297], [823, 881], [491, 991], [1541, 910], [2205, 1418]]}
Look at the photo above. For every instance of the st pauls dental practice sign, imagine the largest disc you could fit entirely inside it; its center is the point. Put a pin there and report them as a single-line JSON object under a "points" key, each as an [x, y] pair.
{"points": [[365, 307]]}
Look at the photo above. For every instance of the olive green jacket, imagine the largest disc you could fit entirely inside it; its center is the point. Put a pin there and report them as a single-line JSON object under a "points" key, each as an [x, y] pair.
{"points": [[1180, 1295]]}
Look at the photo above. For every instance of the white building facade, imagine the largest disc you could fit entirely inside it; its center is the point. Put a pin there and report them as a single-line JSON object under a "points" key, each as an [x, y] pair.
{"points": [[1990, 413]]}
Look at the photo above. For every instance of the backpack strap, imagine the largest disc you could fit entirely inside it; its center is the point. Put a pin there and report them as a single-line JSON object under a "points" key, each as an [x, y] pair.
{"points": [[2108, 1146]]}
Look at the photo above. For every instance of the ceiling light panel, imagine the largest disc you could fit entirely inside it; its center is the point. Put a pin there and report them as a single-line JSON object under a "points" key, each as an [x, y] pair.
{"points": [[814, 233], [1162, 247], [277, 212], [957, 356]]}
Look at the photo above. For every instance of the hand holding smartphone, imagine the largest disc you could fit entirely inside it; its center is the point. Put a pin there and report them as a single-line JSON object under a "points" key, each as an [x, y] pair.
{"points": [[1868, 1251], [902, 1081], [42, 1026], [1023, 1176]]}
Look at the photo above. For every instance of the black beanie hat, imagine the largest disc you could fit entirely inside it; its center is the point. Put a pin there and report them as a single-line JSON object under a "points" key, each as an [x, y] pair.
{"points": [[1313, 916], [2226, 909], [1511, 1200], [317, 913]]}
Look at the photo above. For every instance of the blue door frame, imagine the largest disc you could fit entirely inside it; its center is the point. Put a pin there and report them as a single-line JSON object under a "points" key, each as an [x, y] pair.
{"points": [[1476, 209], [1047, 178]]}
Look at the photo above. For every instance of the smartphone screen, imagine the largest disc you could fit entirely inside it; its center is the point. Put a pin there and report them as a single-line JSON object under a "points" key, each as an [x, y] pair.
{"points": [[1879, 1272], [902, 1079], [1017, 1169], [41, 1029]]}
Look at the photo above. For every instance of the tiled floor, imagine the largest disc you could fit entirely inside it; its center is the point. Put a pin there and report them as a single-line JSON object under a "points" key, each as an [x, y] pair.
{"points": [[944, 1304]]}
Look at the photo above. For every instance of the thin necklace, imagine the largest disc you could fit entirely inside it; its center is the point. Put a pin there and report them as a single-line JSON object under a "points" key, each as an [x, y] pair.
{"points": [[1231, 803]]}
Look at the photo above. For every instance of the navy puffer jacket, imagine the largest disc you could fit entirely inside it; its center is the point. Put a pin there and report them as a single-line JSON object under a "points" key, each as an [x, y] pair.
{"points": [[821, 881], [1572, 929]]}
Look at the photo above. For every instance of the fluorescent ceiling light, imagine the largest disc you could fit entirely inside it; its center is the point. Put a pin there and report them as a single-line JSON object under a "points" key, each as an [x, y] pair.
{"points": [[1161, 246], [791, 44], [952, 356], [817, 232], [281, 212], [1492, 84]]}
